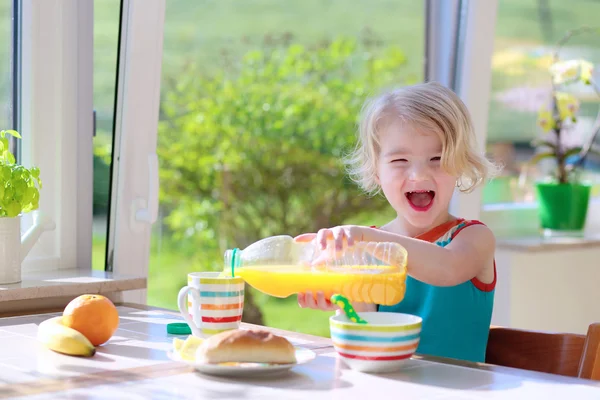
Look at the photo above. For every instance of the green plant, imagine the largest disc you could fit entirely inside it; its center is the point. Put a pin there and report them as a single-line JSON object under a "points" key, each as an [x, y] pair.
{"points": [[19, 188], [560, 115]]}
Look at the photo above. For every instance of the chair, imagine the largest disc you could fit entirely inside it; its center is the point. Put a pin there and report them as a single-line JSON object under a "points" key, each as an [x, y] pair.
{"points": [[565, 354], [589, 367]]}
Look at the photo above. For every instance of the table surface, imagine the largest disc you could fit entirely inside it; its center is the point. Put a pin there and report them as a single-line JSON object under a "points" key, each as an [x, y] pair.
{"points": [[134, 365]]}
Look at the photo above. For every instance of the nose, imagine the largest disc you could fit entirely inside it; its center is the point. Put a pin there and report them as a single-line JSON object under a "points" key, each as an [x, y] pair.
{"points": [[418, 172]]}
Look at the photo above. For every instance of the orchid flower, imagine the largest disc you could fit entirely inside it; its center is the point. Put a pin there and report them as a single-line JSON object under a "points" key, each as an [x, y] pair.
{"points": [[572, 71]]}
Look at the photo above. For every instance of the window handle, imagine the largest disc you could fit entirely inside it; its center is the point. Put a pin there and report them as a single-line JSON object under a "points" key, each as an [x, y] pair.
{"points": [[146, 210]]}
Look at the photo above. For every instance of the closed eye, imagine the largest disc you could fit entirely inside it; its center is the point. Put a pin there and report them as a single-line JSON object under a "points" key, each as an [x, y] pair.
{"points": [[436, 159], [399, 160]]}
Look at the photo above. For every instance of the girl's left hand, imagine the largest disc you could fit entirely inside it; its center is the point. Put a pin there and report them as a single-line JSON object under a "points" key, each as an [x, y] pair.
{"points": [[339, 234]]}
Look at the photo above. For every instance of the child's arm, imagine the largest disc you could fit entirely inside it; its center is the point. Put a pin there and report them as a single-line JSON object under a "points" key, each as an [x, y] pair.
{"points": [[463, 259]]}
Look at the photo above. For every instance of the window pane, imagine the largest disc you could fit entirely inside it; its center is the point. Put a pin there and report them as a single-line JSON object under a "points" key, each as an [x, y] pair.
{"points": [[6, 60], [526, 35], [106, 41], [259, 101]]}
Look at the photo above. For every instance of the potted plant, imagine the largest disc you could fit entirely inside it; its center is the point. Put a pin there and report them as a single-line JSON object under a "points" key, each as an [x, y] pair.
{"points": [[19, 194], [563, 197]]}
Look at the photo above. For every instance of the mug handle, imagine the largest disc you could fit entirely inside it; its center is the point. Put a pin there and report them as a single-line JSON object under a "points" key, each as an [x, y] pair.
{"points": [[182, 303]]}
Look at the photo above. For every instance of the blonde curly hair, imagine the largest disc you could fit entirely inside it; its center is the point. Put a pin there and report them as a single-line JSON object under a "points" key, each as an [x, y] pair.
{"points": [[430, 106]]}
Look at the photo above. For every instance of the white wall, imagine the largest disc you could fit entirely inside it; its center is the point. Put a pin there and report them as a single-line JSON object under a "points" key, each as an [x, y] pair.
{"points": [[544, 284], [552, 290]]}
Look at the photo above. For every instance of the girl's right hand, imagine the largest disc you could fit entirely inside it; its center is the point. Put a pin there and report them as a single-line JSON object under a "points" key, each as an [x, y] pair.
{"points": [[317, 301], [320, 302]]}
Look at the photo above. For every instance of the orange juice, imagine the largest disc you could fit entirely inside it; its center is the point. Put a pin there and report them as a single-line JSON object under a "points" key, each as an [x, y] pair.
{"points": [[384, 285]]}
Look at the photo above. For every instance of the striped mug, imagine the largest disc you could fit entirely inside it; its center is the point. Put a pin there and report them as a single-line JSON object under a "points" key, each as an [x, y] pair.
{"points": [[211, 303]]}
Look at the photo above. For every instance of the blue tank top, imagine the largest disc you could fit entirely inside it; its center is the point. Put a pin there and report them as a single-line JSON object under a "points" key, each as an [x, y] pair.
{"points": [[456, 319]]}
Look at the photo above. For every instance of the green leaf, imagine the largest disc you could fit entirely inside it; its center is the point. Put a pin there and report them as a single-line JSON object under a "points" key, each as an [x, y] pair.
{"points": [[8, 156], [12, 209], [541, 156], [28, 194], [35, 172], [13, 133], [9, 193], [6, 172], [4, 142]]}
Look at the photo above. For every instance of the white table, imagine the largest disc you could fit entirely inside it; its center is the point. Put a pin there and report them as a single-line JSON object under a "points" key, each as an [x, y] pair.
{"points": [[134, 365]]}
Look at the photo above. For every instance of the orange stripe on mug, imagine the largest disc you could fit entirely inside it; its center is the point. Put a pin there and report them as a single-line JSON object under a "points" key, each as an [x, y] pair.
{"points": [[221, 306]]}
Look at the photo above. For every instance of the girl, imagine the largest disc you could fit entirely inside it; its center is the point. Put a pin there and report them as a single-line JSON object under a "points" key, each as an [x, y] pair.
{"points": [[416, 144]]}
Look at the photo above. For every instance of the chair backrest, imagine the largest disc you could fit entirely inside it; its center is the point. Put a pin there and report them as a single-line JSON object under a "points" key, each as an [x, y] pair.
{"points": [[555, 353], [589, 366]]}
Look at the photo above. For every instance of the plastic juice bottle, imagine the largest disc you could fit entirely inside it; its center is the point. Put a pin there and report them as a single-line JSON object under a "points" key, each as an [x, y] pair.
{"points": [[367, 272]]}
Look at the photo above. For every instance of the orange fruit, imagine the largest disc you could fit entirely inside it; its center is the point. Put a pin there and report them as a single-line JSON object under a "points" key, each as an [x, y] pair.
{"points": [[95, 316]]}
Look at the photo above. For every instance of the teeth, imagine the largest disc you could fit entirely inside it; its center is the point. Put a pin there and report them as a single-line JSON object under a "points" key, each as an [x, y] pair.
{"points": [[419, 191]]}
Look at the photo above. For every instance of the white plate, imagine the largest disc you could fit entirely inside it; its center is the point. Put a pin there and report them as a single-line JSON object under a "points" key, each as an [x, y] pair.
{"points": [[247, 369]]}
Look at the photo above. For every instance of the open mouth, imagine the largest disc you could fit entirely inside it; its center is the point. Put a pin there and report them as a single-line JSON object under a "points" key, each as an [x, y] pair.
{"points": [[420, 200]]}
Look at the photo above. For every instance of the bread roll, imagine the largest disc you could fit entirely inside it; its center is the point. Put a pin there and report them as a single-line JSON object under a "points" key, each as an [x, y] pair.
{"points": [[240, 345]]}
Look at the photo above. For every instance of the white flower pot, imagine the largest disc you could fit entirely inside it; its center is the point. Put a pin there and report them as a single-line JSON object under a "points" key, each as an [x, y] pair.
{"points": [[10, 250], [14, 247]]}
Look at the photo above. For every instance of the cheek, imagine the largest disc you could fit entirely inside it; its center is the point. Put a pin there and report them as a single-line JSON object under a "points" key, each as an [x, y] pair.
{"points": [[389, 176], [445, 183]]}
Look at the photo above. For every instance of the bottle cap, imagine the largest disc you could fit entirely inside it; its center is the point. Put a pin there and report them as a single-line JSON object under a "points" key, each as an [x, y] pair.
{"points": [[179, 328]]}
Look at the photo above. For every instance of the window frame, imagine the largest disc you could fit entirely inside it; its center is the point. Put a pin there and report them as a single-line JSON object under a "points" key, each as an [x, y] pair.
{"points": [[16, 73], [460, 41], [134, 174], [56, 121], [473, 83]]}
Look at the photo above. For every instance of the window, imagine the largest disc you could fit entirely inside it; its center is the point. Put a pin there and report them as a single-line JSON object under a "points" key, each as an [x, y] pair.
{"points": [[258, 102], [57, 124], [7, 49], [247, 105], [526, 34], [106, 44]]}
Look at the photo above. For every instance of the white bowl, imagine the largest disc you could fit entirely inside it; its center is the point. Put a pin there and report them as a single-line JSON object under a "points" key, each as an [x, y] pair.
{"points": [[382, 345]]}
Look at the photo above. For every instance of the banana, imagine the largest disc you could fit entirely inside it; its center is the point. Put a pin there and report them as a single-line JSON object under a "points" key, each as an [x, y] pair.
{"points": [[62, 339]]}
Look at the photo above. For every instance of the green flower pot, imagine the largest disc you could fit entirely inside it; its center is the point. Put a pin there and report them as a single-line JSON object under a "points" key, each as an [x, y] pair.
{"points": [[563, 206]]}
